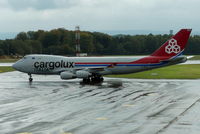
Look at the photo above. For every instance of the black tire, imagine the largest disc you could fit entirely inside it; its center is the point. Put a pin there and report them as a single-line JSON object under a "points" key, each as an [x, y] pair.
{"points": [[30, 79], [93, 79], [86, 80]]}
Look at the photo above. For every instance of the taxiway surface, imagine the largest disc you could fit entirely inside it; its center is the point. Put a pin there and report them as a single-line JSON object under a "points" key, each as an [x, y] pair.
{"points": [[117, 106]]}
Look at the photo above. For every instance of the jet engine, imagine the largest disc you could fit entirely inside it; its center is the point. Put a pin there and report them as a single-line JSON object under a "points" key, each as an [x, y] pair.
{"points": [[67, 75], [82, 74]]}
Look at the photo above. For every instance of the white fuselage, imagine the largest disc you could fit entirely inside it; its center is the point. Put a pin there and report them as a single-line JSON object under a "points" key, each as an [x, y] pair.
{"points": [[51, 64]]}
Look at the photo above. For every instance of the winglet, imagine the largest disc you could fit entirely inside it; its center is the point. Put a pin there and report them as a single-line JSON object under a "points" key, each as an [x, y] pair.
{"points": [[174, 46]]}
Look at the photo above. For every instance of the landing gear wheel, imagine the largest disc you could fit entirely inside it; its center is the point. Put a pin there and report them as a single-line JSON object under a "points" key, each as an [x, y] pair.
{"points": [[30, 79], [101, 79], [94, 79], [97, 78], [86, 80]]}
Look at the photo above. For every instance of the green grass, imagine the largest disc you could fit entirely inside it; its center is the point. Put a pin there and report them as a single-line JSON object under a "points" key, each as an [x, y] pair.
{"points": [[6, 69], [8, 60], [196, 57], [171, 72]]}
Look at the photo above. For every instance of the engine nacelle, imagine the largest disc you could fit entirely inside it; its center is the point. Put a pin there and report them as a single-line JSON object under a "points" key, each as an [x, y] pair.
{"points": [[67, 75], [82, 74]]}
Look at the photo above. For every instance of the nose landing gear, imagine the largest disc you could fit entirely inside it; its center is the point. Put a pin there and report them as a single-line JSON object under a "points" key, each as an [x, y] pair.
{"points": [[30, 78]]}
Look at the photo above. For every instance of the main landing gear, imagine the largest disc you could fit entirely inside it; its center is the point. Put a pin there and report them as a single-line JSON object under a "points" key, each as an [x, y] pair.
{"points": [[30, 78], [93, 79]]}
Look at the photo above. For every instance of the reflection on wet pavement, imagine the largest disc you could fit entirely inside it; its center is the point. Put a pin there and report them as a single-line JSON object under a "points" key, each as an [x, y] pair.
{"points": [[52, 106]]}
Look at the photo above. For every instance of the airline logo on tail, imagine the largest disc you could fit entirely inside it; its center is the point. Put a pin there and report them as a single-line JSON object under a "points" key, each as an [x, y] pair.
{"points": [[172, 47]]}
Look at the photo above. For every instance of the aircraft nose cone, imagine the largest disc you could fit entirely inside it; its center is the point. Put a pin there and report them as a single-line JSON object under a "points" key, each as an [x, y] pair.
{"points": [[16, 66]]}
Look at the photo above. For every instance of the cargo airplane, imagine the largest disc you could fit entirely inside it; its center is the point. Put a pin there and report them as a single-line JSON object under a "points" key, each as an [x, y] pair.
{"points": [[91, 69]]}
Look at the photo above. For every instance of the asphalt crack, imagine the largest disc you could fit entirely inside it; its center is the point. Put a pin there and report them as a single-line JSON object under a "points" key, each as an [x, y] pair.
{"points": [[177, 117]]}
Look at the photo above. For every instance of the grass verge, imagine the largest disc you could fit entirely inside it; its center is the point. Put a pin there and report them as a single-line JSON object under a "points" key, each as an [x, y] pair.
{"points": [[196, 57], [6, 69], [171, 72], [8, 60]]}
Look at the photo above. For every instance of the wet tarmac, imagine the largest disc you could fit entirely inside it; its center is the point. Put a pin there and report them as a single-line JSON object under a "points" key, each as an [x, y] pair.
{"points": [[117, 106]]}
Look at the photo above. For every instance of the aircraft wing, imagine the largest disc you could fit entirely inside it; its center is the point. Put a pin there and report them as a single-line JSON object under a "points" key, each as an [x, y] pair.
{"points": [[96, 70], [189, 57], [176, 60]]}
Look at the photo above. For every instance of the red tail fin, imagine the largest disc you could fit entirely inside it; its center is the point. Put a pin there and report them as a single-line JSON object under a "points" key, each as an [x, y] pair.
{"points": [[175, 45]]}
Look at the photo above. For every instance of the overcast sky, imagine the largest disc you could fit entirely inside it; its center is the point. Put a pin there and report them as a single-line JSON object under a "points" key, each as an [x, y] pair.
{"points": [[99, 15]]}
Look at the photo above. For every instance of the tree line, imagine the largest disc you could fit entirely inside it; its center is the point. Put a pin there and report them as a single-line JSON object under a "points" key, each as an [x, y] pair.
{"points": [[62, 42]]}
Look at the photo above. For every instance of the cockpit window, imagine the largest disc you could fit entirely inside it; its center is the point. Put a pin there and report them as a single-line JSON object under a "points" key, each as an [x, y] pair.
{"points": [[33, 58], [24, 57]]}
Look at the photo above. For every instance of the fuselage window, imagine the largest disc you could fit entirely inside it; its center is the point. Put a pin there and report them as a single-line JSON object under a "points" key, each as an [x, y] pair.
{"points": [[33, 58]]}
